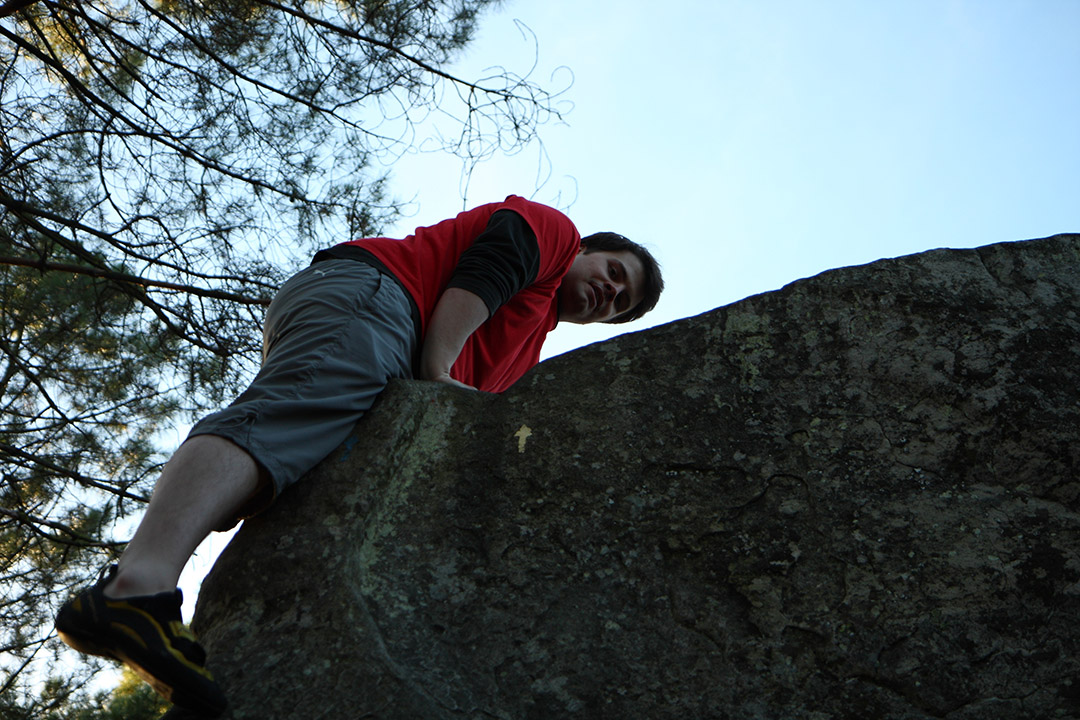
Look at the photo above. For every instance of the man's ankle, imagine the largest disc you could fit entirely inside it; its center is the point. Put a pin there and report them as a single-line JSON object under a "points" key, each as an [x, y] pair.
{"points": [[128, 584]]}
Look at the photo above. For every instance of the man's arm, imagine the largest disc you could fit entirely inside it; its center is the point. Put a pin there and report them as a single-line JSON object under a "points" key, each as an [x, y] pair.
{"points": [[456, 316], [503, 260]]}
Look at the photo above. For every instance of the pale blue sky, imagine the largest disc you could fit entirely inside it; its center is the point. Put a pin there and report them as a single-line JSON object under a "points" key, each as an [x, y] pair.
{"points": [[750, 144]]}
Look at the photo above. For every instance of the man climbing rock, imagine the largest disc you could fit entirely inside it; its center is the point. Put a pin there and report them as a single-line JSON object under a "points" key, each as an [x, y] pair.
{"points": [[466, 302]]}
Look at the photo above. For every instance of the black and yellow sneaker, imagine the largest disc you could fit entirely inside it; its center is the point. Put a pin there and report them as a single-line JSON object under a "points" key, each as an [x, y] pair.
{"points": [[147, 634]]}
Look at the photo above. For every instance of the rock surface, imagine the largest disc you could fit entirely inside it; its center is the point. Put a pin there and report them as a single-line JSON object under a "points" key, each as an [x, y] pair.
{"points": [[855, 497]]}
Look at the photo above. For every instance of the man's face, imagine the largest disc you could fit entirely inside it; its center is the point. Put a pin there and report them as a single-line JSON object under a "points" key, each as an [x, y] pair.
{"points": [[601, 285]]}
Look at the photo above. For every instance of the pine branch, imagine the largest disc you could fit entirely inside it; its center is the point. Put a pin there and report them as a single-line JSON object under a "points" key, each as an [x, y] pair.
{"points": [[34, 525], [395, 50], [45, 265], [78, 477], [13, 6]]}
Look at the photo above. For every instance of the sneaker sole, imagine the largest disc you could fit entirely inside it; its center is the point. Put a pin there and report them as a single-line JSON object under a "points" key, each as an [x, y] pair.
{"points": [[85, 644]]}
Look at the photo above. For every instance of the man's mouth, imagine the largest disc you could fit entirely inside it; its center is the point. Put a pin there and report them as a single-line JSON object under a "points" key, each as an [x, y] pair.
{"points": [[597, 296]]}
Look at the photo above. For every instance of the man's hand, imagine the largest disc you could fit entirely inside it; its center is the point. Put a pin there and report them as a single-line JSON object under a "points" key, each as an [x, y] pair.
{"points": [[457, 315], [446, 379]]}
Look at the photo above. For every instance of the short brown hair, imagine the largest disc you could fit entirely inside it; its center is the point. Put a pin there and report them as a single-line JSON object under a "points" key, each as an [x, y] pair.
{"points": [[654, 282]]}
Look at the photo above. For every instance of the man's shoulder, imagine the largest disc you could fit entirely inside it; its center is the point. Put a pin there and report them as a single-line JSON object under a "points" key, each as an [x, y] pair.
{"points": [[551, 226]]}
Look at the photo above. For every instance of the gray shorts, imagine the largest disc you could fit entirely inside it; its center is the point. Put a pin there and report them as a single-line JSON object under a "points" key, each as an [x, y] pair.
{"points": [[334, 335]]}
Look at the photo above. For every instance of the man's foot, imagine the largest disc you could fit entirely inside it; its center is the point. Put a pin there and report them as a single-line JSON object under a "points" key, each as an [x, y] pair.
{"points": [[147, 634]]}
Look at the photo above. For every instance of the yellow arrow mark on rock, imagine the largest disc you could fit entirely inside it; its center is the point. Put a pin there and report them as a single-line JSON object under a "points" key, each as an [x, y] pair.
{"points": [[522, 435]]}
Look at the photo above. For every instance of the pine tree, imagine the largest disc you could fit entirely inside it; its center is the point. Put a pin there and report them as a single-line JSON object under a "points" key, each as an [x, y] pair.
{"points": [[163, 165]]}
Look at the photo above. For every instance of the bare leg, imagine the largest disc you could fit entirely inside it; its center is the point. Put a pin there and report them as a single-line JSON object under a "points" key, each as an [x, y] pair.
{"points": [[204, 483]]}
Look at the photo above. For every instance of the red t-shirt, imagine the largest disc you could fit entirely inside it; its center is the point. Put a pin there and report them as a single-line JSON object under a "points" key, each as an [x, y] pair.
{"points": [[508, 343]]}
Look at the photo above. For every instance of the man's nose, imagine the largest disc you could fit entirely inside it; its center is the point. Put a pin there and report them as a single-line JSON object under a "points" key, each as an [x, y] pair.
{"points": [[612, 290]]}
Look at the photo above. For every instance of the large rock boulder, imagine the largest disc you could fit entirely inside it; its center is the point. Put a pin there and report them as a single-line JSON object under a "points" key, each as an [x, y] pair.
{"points": [[855, 497]]}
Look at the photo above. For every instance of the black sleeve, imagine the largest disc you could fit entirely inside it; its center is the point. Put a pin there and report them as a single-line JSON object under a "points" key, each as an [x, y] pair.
{"points": [[503, 260]]}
